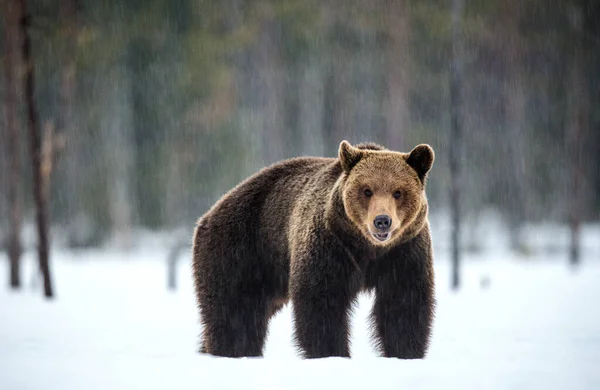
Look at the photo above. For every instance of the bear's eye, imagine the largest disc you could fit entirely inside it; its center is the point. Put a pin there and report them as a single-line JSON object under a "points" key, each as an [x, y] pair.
{"points": [[368, 193], [397, 195]]}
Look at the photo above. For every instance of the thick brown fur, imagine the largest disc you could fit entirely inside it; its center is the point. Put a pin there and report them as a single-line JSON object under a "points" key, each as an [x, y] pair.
{"points": [[303, 230]]}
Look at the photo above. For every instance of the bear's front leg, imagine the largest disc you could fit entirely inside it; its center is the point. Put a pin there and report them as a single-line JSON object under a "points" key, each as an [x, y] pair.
{"points": [[323, 286], [404, 304]]}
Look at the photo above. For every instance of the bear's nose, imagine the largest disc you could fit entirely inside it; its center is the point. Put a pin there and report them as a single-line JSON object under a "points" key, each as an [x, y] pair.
{"points": [[382, 222]]}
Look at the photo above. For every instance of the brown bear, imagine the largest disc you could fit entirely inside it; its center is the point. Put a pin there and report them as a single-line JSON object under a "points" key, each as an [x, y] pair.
{"points": [[318, 231]]}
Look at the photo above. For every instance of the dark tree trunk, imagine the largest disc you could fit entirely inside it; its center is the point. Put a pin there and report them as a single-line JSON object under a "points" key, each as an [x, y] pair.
{"points": [[515, 98], [68, 25], [35, 141], [12, 13], [118, 148], [577, 123], [65, 120], [270, 89], [397, 64], [333, 99], [330, 110], [456, 130]]}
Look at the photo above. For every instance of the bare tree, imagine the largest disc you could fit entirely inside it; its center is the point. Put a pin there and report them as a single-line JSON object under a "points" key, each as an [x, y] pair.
{"points": [[334, 73], [456, 137], [118, 147], [68, 28], [577, 123], [397, 20], [269, 65], [515, 97], [65, 119], [331, 108], [35, 140], [11, 11]]}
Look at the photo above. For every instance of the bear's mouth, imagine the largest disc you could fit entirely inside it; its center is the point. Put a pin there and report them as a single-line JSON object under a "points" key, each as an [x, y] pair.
{"points": [[382, 236]]}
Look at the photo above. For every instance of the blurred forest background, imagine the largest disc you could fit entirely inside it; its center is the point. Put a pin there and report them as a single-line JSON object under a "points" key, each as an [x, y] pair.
{"points": [[156, 108]]}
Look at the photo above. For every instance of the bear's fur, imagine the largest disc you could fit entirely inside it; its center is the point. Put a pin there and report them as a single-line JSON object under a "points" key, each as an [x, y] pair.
{"points": [[304, 229]]}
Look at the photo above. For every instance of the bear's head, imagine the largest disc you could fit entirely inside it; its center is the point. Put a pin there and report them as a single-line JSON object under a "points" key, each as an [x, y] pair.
{"points": [[383, 191]]}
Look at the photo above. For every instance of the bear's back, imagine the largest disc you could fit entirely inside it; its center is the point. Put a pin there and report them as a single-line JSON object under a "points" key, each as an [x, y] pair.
{"points": [[256, 213]]}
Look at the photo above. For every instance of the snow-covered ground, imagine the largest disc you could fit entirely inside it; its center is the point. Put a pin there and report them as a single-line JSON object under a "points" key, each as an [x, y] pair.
{"points": [[517, 323]]}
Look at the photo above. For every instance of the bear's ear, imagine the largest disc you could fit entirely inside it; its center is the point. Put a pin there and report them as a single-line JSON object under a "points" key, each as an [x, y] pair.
{"points": [[421, 160], [349, 156]]}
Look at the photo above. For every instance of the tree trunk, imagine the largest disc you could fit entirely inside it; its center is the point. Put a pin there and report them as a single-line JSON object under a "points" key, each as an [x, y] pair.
{"points": [[118, 147], [330, 109], [456, 130], [311, 107], [397, 19], [515, 99], [12, 14], [269, 68], [36, 153], [577, 122], [68, 27], [515, 115], [65, 123], [333, 74]]}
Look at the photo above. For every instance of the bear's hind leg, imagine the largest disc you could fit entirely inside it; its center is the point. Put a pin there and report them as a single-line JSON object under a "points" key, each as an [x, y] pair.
{"points": [[236, 329]]}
